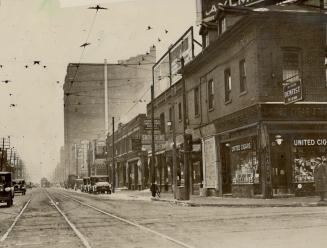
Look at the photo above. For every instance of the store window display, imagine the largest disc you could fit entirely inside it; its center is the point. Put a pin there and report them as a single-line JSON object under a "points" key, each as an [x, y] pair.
{"points": [[245, 168]]}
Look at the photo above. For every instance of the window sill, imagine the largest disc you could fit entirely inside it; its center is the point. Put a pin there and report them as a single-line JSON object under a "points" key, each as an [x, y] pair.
{"points": [[228, 102], [196, 116], [243, 93], [211, 109]]}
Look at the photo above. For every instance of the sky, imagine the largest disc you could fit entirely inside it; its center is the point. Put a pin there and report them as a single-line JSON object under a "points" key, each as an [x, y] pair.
{"points": [[51, 31]]}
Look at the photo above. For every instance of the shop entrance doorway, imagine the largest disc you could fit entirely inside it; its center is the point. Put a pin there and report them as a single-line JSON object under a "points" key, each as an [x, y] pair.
{"points": [[226, 171], [279, 170]]}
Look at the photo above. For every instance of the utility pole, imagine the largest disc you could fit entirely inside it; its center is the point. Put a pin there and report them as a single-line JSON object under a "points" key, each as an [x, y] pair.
{"points": [[76, 158], [174, 152], [106, 100], [186, 152], [89, 159], [153, 174], [113, 178], [2, 153]]}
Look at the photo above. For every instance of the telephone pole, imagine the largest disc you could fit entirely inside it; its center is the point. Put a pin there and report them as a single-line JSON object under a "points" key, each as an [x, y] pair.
{"points": [[113, 178], [152, 170], [186, 152]]}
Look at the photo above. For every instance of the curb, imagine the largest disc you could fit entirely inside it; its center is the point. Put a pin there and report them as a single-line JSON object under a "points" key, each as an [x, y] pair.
{"points": [[237, 205]]}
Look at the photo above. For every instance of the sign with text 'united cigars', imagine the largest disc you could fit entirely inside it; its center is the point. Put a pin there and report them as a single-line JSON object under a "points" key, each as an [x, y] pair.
{"points": [[310, 142], [241, 147], [210, 7], [292, 92]]}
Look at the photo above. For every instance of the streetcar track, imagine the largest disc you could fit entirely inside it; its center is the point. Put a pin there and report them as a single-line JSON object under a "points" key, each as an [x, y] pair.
{"points": [[73, 227], [3, 238], [180, 243]]}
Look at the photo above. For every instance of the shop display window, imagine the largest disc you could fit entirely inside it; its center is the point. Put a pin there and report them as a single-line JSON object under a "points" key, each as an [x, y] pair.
{"points": [[244, 162], [305, 161]]}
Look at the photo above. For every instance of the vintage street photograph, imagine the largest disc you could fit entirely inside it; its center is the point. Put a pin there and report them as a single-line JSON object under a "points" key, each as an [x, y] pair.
{"points": [[163, 123]]}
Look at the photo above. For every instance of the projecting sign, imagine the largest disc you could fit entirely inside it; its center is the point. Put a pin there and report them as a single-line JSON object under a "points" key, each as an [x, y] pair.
{"points": [[148, 124], [292, 92]]}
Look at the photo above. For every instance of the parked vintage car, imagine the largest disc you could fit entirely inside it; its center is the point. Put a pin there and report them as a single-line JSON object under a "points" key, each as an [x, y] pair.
{"points": [[86, 184], [100, 184], [6, 188], [19, 186]]}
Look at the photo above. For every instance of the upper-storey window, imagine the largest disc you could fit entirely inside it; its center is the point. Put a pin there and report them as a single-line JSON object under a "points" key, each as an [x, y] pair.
{"points": [[179, 111], [196, 101], [222, 25], [242, 66], [291, 65], [210, 94], [162, 123], [228, 85]]}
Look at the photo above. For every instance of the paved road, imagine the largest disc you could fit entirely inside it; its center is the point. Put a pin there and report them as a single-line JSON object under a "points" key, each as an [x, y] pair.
{"points": [[120, 223]]}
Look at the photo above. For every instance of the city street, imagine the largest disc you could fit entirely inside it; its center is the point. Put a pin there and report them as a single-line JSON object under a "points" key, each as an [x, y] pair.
{"points": [[163, 124], [98, 221]]}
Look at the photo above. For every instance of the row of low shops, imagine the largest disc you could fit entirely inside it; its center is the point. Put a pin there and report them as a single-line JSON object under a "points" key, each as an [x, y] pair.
{"points": [[252, 153]]}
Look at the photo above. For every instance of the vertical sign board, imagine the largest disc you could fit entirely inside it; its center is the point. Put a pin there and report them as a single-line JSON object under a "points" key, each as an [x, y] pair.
{"points": [[292, 92], [210, 163]]}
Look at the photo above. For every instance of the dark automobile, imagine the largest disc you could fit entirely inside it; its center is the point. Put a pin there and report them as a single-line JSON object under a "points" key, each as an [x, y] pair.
{"points": [[19, 186], [6, 189], [100, 184]]}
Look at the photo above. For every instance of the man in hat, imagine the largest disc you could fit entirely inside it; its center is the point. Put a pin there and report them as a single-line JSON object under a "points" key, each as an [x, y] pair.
{"points": [[320, 176]]}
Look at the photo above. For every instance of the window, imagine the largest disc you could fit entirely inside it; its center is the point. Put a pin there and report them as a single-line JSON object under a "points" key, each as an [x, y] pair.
{"points": [[222, 25], [196, 101], [242, 76], [228, 85], [210, 94], [162, 123], [291, 66], [179, 111], [171, 116]]}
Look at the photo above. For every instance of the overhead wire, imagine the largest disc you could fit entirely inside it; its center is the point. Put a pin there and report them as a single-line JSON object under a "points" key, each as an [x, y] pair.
{"points": [[82, 53]]}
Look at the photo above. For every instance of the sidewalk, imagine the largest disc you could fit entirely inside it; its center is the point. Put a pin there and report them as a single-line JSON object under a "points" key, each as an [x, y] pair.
{"points": [[199, 201]]}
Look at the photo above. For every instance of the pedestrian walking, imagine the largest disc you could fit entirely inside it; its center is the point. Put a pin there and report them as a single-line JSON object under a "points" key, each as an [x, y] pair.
{"points": [[320, 176], [153, 189]]}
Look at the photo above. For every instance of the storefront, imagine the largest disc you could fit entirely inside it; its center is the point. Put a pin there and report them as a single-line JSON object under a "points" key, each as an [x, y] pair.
{"points": [[295, 169]]}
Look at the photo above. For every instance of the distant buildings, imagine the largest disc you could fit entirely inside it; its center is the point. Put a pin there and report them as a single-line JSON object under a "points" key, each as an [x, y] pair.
{"points": [[84, 98]]}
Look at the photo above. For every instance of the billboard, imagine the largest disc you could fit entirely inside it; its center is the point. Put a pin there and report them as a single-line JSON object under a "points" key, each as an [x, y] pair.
{"points": [[183, 48], [166, 71], [209, 8], [161, 73]]}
